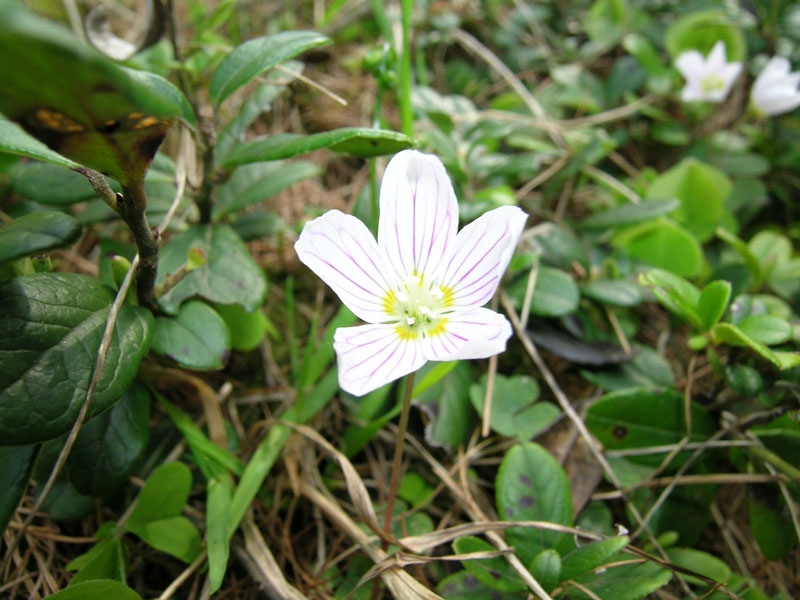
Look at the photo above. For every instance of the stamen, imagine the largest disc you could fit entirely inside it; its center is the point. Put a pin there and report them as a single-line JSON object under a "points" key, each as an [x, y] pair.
{"points": [[410, 320]]}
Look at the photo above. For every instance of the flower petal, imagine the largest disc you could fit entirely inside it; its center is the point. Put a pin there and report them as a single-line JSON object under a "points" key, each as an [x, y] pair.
{"points": [[370, 356], [476, 333], [342, 252], [481, 253], [691, 65], [419, 212], [717, 57]]}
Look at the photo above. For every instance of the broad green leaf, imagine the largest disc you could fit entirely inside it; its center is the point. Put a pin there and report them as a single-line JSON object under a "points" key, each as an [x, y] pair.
{"points": [[560, 247], [255, 56], [176, 536], [629, 214], [256, 182], [99, 589], [463, 585], [36, 233], [782, 436], [750, 259], [700, 562], [49, 336], [16, 465], [230, 276], [532, 486], [80, 103], [164, 495], [639, 418], [606, 20], [712, 302], [104, 560], [700, 30], [646, 369], [435, 374], [247, 329], [446, 403], [784, 279], [496, 572], [196, 338], [626, 582], [664, 244], [675, 293], [726, 333], [647, 56], [361, 142], [701, 189], [218, 507], [619, 292], [771, 525], [770, 249], [515, 410], [108, 446], [52, 185], [546, 568], [555, 295], [591, 556], [15, 140], [766, 329]]}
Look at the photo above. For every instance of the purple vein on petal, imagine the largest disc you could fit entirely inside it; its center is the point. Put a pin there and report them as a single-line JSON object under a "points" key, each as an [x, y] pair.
{"points": [[329, 264], [347, 253]]}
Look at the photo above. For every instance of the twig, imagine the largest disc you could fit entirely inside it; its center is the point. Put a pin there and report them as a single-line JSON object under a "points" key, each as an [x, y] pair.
{"points": [[311, 83]]}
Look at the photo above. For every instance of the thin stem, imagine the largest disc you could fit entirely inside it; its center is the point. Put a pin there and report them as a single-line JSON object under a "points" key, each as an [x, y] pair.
{"points": [[406, 114], [132, 210], [398, 455]]}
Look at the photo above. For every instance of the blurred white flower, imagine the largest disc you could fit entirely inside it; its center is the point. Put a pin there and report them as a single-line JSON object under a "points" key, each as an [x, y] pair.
{"points": [[775, 90], [709, 78], [421, 286]]}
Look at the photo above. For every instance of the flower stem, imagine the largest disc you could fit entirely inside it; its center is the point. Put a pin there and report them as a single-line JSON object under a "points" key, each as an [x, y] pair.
{"points": [[398, 455]]}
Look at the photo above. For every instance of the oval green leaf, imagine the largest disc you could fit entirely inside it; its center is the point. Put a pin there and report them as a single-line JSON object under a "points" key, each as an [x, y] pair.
{"points": [[197, 338], [496, 572], [619, 292], [712, 302], [16, 465], [556, 293], [15, 140], [49, 336], [99, 589], [663, 244], [356, 141], [164, 495], [230, 276], [766, 329], [515, 412], [629, 214], [463, 585], [36, 233], [253, 57], [532, 486]]}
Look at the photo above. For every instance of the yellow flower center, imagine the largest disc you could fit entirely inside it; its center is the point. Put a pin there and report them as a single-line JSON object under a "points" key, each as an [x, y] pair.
{"points": [[712, 83], [418, 308]]}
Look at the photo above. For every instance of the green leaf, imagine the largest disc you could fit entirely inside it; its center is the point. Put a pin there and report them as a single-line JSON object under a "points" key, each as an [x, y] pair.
{"points": [[532, 486], [247, 329], [629, 214], [606, 20], [218, 507], [436, 373], [546, 568], [770, 249], [675, 293], [700, 562], [15, 140], [255, 56], [701, 30], [770, 524], [618, 292], [515, 410], [256, 182], [626, 582], [52, 185], [108, 446], [496, 572], [663, 244], [750, 259], [356, 141], [726, 333], [164, 495], [176, 536], [230, 276], [647, 56], [560, 246], [36, 233], [99, 589], [197, 338], [555, 295], [104, 560], [591, 556], [463, 585], [16, 465], [80, 103], [712, 302], [701, 189], [639, 417], [446, 403], [766, 329], [49, 335]]}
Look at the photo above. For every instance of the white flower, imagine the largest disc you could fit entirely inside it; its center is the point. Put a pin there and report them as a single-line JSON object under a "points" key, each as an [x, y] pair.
{"points": [[707, 78], [775, 90], [420, 288]]}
